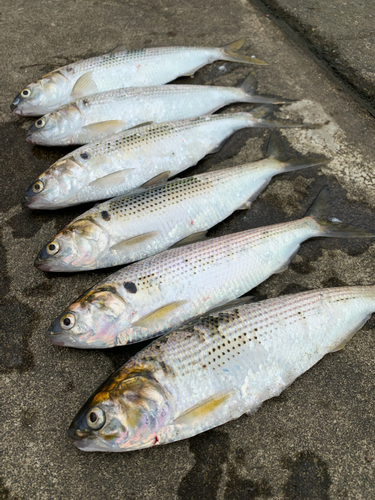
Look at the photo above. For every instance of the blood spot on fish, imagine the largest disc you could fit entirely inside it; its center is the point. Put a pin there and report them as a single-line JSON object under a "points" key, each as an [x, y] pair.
{"points": [[105, 215], [130, 287], [191, 222], [138, 66], [155, 441]]}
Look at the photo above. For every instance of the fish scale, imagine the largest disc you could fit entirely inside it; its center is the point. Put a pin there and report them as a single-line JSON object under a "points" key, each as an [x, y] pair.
{"points": [[222, 366], [138, 156], [130, 228], [100, 115], [119, 69], [162, 292]]}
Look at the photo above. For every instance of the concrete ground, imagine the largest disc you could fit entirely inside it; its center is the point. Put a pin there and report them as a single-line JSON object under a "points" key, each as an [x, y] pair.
{"points": [[316, 440]]}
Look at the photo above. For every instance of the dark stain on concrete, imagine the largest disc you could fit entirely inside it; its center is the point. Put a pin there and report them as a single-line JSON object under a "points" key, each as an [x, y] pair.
{"points": [[211, 452], [4, 278], [4, 492], [17, 322], [293, 288], [309, 478], [238, 488], [302, 267], [29, 415]]}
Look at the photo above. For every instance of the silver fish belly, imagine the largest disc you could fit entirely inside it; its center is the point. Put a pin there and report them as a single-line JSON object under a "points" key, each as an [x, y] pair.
{"points": [[119, 69], [96, 117], [123, 162], [130, 228], [223, 366], [160, 293]]}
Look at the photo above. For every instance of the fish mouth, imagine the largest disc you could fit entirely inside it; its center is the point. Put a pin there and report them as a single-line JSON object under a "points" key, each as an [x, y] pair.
{"points": [[14, 106], [42, 261]]}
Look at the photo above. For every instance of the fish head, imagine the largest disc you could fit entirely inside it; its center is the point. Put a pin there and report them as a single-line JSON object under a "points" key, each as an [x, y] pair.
{"points": [[57, 185], [76, 248], [122, 416], [56, 128], [43, 96], [93, 321]]}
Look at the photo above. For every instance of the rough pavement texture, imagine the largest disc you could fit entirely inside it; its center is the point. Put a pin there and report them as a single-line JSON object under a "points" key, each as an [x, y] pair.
{"points": [[340, 33], [315, 441]]}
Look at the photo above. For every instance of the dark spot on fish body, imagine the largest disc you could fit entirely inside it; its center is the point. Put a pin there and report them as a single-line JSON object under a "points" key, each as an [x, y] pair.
{"points": [[130, 287], [309, 478], [105, 215], [85, 156], [85, 102]]}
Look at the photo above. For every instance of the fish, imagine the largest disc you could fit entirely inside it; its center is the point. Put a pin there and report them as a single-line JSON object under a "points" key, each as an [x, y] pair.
{"points": [[130, 228], [161, 293], [214, 371], [101, 115], [120, 68], [129, 160]]}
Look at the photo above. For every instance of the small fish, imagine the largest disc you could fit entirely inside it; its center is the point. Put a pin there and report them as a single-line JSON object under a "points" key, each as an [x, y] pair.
{"points": [[161, 293], [216, 370], [119, 69], [130, 228], [134, 158], [98, 116]]}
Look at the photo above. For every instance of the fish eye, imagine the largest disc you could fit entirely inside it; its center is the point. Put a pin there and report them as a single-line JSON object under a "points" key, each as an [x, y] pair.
{"points": [[67, 321], [40, 123], [96, 418], [53, 248], [38, 187], [26, 93]]}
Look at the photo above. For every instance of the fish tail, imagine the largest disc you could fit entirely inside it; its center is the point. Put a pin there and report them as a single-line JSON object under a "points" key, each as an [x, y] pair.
{"points": [[229, 54], [260, 117], [276, 150], [249, 87], [332, 227]]}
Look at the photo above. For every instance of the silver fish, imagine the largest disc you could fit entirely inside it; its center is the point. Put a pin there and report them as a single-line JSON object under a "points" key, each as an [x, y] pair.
{"points": [[225, 365], [160, 293], [98, 116], [119, 69], [144, 156], [130, 228]]}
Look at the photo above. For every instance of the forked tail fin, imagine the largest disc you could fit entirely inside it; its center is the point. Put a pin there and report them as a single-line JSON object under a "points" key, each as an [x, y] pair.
{"points": [[229, 54], [249, 87], [332, 227], [276, 150]]}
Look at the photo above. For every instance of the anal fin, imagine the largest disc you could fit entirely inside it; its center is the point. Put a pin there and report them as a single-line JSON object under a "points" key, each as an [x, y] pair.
{"points": [[200, 411], [152, 319]]}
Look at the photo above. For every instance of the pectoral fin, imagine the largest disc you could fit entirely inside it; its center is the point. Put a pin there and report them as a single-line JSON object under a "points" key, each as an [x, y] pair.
{"points": [[152, 319], [201, 410], [108, 127], [111, 180], [157, 180], [136, 240], [85, 85], [193, 238]]}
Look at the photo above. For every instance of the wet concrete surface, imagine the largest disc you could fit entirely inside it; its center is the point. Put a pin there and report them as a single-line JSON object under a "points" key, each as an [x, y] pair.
{"points": [[315, 441], [341, 35]]}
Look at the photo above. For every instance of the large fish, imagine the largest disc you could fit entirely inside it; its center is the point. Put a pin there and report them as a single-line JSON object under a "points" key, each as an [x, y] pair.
{"points": [[225, 365], [130, 159], [98, 116], [130, 228], [160, 293], [118, 69]]}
